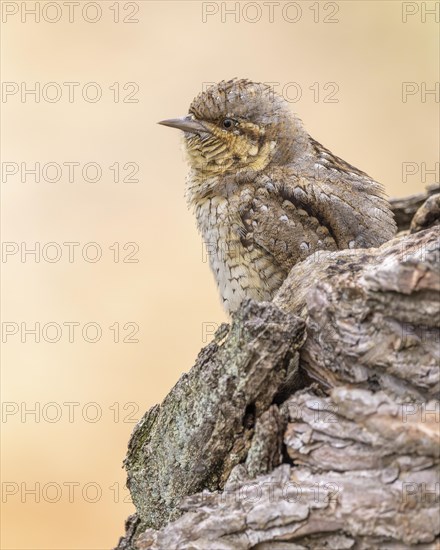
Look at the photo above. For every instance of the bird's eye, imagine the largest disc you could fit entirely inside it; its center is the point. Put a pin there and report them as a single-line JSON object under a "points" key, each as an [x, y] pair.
{"points": [[228, 123]]}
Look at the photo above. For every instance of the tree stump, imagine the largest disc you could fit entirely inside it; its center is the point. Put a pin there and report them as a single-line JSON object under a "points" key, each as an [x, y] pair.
{"points": [[313, 420]]}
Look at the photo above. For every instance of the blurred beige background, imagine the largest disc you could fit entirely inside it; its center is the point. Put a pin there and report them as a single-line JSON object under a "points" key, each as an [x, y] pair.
{"points": [[86, 395]]}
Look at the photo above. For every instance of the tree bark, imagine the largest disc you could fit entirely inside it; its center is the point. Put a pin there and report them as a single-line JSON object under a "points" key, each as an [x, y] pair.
{"points": [[312, 421], [405, 209]]}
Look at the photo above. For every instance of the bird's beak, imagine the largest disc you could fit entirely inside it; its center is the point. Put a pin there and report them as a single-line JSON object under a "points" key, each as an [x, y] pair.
{"points": [[185, 123]]}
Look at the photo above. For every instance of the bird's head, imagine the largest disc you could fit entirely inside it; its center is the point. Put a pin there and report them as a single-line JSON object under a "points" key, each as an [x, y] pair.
{"points": [[237, 125]]}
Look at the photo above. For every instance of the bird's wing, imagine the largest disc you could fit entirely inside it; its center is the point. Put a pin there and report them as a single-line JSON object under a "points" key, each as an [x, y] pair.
{"points": [[352, 202], [327, 205], [281, 226]]}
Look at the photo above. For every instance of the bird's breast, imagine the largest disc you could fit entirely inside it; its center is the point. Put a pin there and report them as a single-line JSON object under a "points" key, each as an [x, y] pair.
{"points": [[238, 270]]}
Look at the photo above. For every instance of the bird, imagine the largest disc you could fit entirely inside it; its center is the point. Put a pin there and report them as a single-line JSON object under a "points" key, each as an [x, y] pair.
{"points": [[265, 194]]}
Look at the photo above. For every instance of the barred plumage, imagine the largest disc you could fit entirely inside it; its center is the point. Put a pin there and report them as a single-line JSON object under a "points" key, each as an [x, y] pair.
{"points": [[266, 195]]}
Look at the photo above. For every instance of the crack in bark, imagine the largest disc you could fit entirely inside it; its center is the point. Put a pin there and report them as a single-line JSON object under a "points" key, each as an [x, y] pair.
{"points": [[242, 455]]}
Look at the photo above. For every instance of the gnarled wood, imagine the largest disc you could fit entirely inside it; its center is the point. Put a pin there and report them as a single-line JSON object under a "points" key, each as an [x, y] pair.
{"points": [[405, 209], [205, 425], [238, 456]]}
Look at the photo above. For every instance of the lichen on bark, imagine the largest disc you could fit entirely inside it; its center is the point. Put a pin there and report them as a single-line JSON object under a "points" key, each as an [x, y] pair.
{"points": [[312, 421]]}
